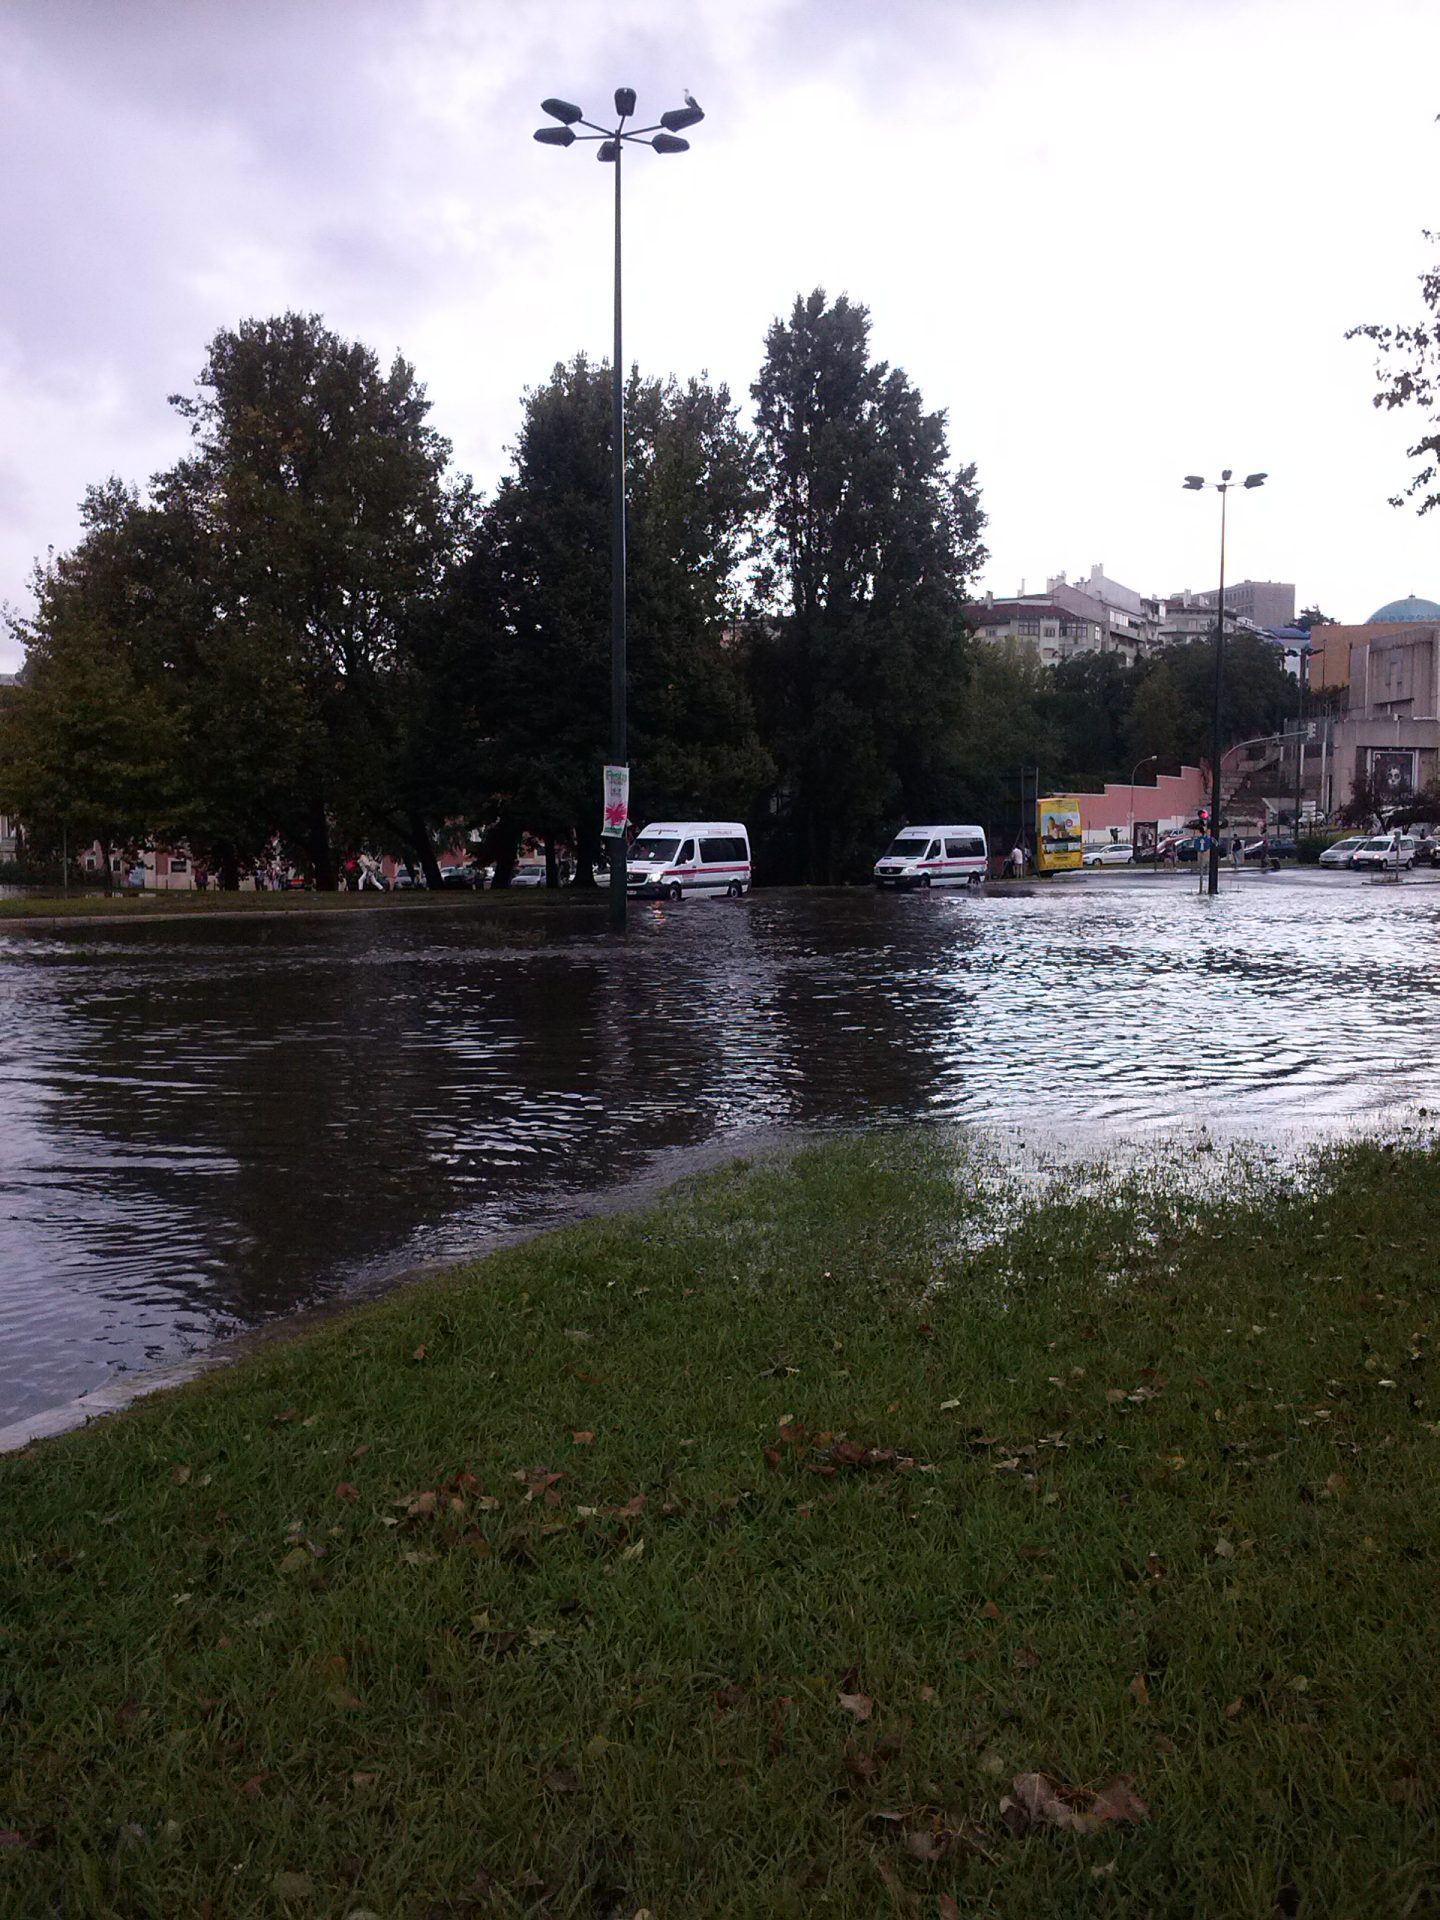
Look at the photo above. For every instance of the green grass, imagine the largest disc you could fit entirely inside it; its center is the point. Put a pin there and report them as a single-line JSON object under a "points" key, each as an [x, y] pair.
{"points": [[1172, 1516]]}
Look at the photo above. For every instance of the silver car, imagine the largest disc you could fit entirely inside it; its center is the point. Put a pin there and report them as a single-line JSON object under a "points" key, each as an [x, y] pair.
{"points": [[1342, 853]]}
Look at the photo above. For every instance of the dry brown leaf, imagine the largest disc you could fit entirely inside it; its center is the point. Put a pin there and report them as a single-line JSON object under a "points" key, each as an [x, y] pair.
{"points": [[1027, 1658], [420, 1351], [561, 1780], [1140, 1690], [1036, 1799], [860, 1704], [343, 1697], [180, 1475], [947, 1908], [583, 1436], [363, 1779], [1235, 1708], [345, 1491], [990, 1611]]}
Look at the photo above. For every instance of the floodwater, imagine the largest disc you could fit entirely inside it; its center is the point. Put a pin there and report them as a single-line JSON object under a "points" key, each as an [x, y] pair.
{"points": [[205, 1125]]}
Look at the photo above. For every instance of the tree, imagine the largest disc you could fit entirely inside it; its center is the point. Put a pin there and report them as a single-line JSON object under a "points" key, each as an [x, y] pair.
{"points": [[322, 497], [538, 595], [1311, 617], [1408, 369], [869, 540], [1154, 726]]}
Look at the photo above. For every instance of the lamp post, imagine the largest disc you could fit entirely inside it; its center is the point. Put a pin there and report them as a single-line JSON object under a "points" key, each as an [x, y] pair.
{"points": [[1222, 486], [1148, 761], [663, 137]]}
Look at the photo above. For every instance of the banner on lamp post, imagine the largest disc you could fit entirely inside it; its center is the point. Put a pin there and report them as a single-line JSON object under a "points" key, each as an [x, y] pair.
{"points": [[617, 802]]}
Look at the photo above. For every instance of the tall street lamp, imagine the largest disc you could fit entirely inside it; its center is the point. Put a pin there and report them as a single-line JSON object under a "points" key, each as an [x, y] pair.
{"points": [[1222, 486], [663, 137]]}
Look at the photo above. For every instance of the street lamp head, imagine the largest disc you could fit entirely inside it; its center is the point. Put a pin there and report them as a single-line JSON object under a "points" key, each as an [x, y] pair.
{"points": [[1225, 472], [555, 136], [669, 143], [624, 102], [564, 110], [1193, 481], [1255, 479], [608, 150], [678, 118]]}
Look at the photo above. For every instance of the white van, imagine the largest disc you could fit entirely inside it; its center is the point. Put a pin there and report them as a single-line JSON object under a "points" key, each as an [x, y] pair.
{"points": [[673, 858], [934, 857]]}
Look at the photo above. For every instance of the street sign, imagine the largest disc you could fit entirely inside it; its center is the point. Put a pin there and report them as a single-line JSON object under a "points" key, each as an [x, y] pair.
{"points": [[617, 802]]}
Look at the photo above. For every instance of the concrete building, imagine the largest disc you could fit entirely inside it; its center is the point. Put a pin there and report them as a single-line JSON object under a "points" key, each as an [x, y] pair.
{"points": [[1128, 622], [1384, 677], [1264, 603], [1056, 632]]}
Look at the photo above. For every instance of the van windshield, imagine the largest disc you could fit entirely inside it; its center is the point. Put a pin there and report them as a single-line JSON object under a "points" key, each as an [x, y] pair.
{"points": [[907, 847], [655, 852]]}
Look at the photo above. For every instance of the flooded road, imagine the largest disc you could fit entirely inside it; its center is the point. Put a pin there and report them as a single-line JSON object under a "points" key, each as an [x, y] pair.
{"points": [[207, 1124]]}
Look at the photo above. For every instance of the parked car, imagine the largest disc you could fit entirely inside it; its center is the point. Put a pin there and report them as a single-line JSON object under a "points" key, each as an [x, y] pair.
{"points": [[1428, 851], [528, 873], [1386, 850], [1276, 849], [1119, 853], [464, 874], [1341, 853]]}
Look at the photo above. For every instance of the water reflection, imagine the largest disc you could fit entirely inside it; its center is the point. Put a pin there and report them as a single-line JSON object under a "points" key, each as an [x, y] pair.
{"points": [[203, 1125]]}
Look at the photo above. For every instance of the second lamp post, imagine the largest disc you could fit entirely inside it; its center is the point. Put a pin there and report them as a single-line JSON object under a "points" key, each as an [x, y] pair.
{"points": [[1222, 486], [663, 137]]}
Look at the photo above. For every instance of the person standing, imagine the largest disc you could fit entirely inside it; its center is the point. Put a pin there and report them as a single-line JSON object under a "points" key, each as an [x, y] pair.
{"points": [[1237, 851]]}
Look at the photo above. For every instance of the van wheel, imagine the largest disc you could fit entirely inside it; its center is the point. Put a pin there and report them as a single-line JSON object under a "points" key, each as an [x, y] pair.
{"points": [[734, 890], [675, 893], [925, 881], [974, 883]]}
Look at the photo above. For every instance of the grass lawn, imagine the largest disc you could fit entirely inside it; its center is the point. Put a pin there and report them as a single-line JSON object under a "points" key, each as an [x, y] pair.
{"points": [[826, 1541]]}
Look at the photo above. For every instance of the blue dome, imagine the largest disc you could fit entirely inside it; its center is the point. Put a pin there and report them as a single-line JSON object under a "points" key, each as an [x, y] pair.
{"points": [[1407, 609]]}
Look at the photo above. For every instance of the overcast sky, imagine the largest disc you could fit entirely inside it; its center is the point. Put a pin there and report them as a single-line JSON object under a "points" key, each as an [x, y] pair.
{"points": [[1118, 240]]}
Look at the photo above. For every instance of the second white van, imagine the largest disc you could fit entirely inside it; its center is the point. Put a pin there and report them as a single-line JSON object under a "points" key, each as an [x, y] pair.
{"points": [[934, 857], [675, 859]]}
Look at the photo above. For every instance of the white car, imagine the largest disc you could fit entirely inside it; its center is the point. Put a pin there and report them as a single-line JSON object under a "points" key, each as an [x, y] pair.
{"points": [[1387, 852], [1342, 853], [1119, 853]]}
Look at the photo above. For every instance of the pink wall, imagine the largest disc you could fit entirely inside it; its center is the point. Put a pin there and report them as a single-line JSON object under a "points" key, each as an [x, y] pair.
{"points": [[1171, 799]]}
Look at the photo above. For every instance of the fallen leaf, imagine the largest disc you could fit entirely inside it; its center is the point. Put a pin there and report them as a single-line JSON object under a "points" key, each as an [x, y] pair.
{"points": [[360, 1452], [1224, 1549], [583, 1436], [345, 1491], [860, 1704], [1235, 1708], [420, 1351], [633, 1507], [293, 1886], [363, 1779], [179, 1475], [342, 1697], [1027, 1658], [990, 1611], [561, 1780], [1036, 1799], [946, 1907], [948, 1406], [251, 1787], [1140, 1690], [10, 1838], [417, 1559], [296, 1560], [633, 1551]]}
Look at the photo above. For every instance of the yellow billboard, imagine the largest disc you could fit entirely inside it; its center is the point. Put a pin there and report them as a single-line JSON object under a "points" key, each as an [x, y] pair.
{"points": [[1059, 841]]}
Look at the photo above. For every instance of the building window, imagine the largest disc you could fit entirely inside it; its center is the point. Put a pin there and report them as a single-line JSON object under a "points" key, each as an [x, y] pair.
{"points": [[1029, 628]]}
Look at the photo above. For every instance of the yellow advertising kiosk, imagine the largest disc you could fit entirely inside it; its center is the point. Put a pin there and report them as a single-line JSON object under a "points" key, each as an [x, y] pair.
{"points": [[1059, 840]]}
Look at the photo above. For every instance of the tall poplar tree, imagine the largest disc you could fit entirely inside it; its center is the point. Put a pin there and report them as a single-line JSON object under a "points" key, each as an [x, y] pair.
{"points": [[870, 539]]}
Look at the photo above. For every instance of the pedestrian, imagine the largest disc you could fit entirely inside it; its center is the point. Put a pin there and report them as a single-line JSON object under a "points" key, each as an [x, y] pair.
{"points": [[1017, 860], [1266, 864], [1237, 851]]}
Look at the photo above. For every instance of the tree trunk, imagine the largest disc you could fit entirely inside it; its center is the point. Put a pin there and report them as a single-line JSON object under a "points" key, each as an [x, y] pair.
{"points": [[552, 870], [504, 846], [322, 857], [229, 870], [587, 852], [106, 866], [420, 841]]}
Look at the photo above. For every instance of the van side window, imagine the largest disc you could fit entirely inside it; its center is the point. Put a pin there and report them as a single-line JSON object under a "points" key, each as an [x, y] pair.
{"points": [[956, 849], [972, 848], [712, 850]]}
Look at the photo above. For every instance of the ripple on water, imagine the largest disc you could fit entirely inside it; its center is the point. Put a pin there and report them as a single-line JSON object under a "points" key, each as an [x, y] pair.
{"points": [[203, 1125]]}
